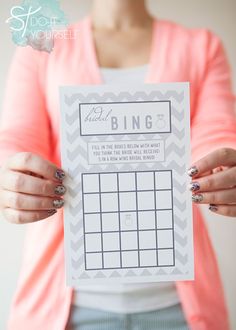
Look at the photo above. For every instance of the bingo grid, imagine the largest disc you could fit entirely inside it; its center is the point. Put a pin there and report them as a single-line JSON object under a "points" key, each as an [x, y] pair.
{"points": [[128, 219]]}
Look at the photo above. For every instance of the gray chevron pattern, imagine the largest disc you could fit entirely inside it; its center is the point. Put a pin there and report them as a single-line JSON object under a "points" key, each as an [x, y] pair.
{"points": [[126, 96], [76, 162], [181, 223], [75, 228], [115, 274], [180, 240]]}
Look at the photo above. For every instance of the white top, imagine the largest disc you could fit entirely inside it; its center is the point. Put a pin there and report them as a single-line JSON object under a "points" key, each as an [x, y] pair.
{"points": [[126, 298]]}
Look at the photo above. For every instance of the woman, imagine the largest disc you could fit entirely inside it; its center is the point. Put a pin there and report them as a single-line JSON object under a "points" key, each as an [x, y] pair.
{"points": [[119, 34]]}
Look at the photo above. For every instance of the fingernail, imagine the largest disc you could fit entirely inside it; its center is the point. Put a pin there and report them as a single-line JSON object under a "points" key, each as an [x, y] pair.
{"points": [[192, 171], [60, 190], [197, 198], [194, 186], [58, 203], [213, 208], [60, 175], [51, 212]]}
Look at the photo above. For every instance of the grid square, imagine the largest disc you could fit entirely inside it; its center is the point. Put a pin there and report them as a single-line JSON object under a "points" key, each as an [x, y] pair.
{"points": [[109, 202], [148, 258], [94, 261], [165, 239], [145, 181], [147, 239], [163, 199], [91, 203], [90, 183], [130, 259], [146, 200], [126, 181], [129, 240], [127, 201], [128, 221], [166, 257], [146, 220], [92, 222], [110, 222], [163, 180], [111, 259], [111, 241], [108, 182], [164, 219], [93, 242]]}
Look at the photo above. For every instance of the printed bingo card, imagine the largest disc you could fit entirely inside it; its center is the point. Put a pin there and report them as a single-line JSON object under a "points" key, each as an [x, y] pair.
{"points": [[128, 211]]}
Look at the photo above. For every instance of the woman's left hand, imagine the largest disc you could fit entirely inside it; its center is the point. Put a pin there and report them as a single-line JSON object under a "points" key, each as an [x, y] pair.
{"points": [[214, 181]]}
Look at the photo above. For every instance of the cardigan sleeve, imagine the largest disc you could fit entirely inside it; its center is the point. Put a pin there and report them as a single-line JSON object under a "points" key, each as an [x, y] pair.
{"points": [[24, 124], [214, 119]]}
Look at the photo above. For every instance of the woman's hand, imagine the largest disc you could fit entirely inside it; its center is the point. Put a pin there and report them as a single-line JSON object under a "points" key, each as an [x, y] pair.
{"points": [[214, 181], [30, 188]]}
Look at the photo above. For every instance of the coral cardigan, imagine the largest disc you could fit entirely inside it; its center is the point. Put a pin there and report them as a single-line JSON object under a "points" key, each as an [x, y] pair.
{"points": [[30, 122]]}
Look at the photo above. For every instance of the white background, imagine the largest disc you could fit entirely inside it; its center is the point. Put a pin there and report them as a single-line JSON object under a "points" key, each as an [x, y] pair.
{"points": [[219, 16]]}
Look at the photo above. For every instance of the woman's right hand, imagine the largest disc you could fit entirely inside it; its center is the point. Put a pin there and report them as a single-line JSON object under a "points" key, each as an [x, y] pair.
{"points": [[30, 188]]}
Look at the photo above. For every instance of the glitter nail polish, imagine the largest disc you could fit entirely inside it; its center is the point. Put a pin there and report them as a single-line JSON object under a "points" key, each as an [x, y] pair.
{"points": [[60, 190], [51, 212], [197, 198], [213, 207], [194, 186], [192, 171], [59, 175], [58, 203]]}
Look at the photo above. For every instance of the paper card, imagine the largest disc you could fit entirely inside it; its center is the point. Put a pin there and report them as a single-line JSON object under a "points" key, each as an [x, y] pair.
{"points": [[128, 211]]}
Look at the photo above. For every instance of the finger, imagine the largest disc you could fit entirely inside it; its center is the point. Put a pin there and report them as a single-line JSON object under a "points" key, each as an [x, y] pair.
{"points": [[220, 169], [218, 181], [207, 173], [21, 182], [21, 201], [217, 197], [220, 157], [33, 174], [28, 162], [23, 217], [226, 210]]}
